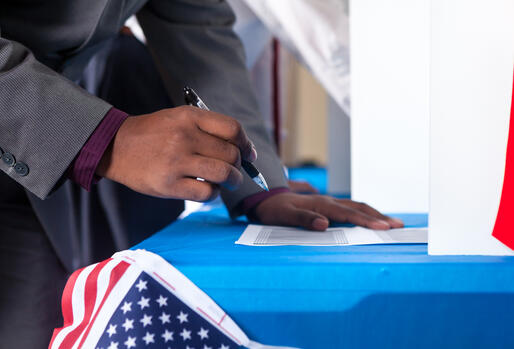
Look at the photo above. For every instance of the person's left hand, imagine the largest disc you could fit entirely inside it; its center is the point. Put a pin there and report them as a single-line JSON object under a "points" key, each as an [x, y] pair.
{"points": [[314, 212]]}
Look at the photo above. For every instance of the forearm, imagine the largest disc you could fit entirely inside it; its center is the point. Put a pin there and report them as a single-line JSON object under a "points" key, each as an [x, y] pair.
{"points": [[45, 119]]}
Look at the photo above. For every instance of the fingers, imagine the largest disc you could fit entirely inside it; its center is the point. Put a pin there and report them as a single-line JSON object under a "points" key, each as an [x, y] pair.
{"points": [[214, 171], [337, 212], [393, 222], [307, 219], [195, 190], [213, 147], [226, 128]]}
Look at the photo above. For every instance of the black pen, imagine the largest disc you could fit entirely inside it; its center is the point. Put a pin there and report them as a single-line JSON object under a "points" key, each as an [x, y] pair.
{"points": [[193, 99]]}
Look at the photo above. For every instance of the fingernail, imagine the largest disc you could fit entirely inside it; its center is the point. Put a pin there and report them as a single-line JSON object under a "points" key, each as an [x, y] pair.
{"points": [[253, 155], [320, 224], [397, 221]]}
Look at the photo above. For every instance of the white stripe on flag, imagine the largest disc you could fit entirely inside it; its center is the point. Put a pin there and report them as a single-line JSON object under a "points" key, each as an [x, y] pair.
{"points": [[77, 306], [102, 283], [111, 304]]}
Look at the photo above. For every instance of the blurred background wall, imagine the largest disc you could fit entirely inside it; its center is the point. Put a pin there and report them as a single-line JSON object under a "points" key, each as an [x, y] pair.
{"points": [[305, 115]]}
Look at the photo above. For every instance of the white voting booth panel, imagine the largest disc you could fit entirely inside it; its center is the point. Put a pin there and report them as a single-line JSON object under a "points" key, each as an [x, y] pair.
{"points": [[390, 103], [472, 61]]}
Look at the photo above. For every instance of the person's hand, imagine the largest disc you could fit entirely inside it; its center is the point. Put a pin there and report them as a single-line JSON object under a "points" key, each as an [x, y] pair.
{"points": [[161, 154], [314, 212], [301, 187]]}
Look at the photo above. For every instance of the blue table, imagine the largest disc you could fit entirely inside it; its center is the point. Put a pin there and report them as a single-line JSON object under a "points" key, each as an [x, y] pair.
{"points": [[384, 296]]}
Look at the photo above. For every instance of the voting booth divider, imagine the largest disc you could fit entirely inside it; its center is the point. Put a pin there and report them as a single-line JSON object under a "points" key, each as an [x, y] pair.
{"points": [[471, 128], [431, 98], [389, 67]]}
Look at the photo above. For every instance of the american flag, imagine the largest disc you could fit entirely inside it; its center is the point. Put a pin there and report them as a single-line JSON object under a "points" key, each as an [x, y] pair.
{"points": [[137, 300]]}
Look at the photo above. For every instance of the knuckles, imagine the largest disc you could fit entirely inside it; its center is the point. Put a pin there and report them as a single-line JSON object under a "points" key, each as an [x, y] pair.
{"points": [[227, 175], [167, 187], [203, 193], [221, 173], [185, 111], [178, 135], [234, 156], [234, 128], [362, 206], [164, 185], [183, 116]]}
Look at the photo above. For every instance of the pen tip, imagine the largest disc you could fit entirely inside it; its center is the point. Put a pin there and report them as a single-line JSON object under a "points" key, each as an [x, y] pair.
{"points": [[261, 182]]}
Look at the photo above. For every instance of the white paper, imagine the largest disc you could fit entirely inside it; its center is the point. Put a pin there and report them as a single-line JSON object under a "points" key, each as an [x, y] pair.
{"points": [[267, 235]]}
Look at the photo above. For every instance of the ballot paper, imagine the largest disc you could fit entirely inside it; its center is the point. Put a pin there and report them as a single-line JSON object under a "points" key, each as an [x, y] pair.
{"points": [[266, 235]]}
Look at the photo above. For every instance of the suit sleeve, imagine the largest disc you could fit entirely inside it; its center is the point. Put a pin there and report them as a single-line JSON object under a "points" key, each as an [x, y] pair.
{"points": [[193, 44], [44, 119]]}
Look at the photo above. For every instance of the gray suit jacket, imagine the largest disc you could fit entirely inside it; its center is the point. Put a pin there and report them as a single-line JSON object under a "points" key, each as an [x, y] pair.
{"points": [[45, 117]]}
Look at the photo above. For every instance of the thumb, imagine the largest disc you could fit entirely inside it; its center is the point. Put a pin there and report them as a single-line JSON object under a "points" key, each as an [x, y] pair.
{"points": [[305, 218]]}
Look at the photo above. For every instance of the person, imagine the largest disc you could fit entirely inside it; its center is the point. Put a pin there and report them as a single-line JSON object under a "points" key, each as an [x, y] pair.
{"points": [[68, 83]]}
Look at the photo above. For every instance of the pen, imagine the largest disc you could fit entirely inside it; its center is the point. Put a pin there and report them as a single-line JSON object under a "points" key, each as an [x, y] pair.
{"points": [[193, 99]]}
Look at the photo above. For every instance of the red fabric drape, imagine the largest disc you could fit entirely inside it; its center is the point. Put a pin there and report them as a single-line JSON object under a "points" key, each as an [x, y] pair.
{"points": [[504, 225]]}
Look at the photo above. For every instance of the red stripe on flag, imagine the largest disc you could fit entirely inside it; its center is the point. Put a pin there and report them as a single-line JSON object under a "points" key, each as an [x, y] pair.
{"points": [[116, 275], [504, 225], [90, 289], [66, 304]]}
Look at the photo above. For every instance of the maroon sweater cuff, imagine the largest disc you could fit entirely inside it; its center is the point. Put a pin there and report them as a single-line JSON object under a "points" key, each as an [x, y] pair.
{"points": [[82, 170], [248, 204]]}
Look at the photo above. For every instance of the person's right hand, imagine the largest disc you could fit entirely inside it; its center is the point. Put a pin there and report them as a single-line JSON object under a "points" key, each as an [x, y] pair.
{"points": [[161, 154]]}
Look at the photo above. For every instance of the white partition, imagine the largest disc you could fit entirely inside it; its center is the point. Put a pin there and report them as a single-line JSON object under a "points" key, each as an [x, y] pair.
{"points": [[390, 103], [472, 61]]}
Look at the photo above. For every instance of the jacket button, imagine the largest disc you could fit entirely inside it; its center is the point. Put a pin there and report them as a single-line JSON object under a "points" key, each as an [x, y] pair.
{"points": [[8, 159], [21, 168]]}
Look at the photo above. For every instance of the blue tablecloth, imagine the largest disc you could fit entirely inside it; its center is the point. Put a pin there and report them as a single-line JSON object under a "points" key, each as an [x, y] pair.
{"points": [[382, 296]]}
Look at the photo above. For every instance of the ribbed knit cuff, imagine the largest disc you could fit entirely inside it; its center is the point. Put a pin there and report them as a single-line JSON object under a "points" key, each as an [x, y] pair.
{"points": [[82, 170]]}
